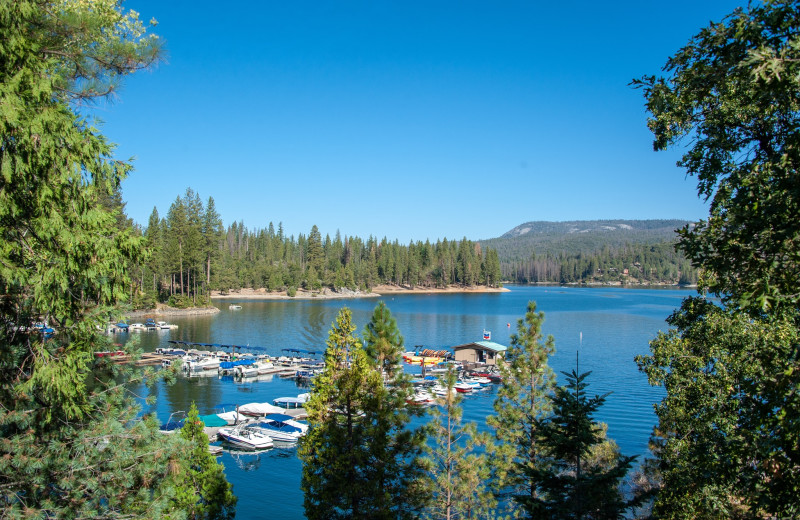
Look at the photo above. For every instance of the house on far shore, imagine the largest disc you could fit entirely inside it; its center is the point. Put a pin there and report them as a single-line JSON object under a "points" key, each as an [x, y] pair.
{"points": [[479, 352]]}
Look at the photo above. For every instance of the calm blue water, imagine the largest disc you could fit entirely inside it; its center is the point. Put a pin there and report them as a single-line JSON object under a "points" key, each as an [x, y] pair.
{"points": [[616, 324]]}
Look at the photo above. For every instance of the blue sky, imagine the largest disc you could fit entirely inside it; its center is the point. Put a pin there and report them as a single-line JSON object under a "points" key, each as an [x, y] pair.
{"points": [[411, 120]]}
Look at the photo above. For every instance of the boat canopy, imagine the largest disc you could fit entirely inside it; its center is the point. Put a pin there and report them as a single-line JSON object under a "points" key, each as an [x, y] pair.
{"points": [[213, 420], [216, 345], [279, 425], [238, 362], [282, 417]]}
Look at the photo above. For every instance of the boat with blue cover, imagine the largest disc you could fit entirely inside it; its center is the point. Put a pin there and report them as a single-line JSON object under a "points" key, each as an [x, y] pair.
{"points": [[283, 427]]}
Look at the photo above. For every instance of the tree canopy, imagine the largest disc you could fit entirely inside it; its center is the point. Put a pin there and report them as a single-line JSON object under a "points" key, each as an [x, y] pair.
{"points": [[733, 92], [71, 442], [728, 426]]}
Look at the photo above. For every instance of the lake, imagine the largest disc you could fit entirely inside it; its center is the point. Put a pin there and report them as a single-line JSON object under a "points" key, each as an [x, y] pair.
{"points": [[608, 325]]}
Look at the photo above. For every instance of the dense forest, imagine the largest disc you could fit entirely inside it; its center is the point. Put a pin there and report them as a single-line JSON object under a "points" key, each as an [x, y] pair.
{"points": [[627, 251], [192, 253]]}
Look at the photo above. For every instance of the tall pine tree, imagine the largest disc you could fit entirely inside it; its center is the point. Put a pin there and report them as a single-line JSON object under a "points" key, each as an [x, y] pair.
{"points": [[352, 465], [522, 403]]}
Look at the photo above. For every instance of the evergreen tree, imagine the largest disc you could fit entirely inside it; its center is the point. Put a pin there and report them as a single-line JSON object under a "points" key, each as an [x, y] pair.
{"points": [[396, 466], [353, 464], [212, 235], [71, 442], [457, 471], [522, 403], [383, 342], [568, 487], [201, 490], [315, 255]]}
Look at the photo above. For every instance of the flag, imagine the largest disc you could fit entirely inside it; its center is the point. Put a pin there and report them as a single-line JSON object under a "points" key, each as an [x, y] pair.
{"points": [[487, 335]]}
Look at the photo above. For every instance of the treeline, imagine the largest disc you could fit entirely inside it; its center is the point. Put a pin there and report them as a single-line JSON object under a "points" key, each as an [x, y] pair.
{"points": [[631, 263], [627, 251], [192, 253]]}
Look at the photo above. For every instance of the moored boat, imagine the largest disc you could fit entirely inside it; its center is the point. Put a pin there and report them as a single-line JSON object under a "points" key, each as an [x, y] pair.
{"points": [[283, 427], [258, 409], [246, 436], [166, 326]]}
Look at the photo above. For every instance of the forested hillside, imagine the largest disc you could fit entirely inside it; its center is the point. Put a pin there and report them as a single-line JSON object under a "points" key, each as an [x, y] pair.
{"points": [[192, 254], [631, 251]]}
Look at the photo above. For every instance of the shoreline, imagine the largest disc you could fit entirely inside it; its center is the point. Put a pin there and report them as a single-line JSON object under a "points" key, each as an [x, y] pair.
{"points": [[165, 310], [328, 294]]}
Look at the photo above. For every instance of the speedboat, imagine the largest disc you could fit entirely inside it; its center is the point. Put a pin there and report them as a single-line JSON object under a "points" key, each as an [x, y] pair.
{"points": [[283, 427], [234, 307], [465, 387], [201, 364], [441, 390], [166, 326], [259, 409], [420, 397], [477, 379], [246, 436], [249, 370]]}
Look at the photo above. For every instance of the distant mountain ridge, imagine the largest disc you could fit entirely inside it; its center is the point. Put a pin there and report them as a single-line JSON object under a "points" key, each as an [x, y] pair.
{"points": [[593, 250], [657, 228], [581, 236]]}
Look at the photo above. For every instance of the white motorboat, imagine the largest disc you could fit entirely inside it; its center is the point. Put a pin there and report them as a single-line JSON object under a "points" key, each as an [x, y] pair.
{"points": [[259, 409], [420, 397], [234, 307], [232, 417], [200, 364], [441, 391], [137, 327], [166, 326], [477, 379], [246, 370], [283, 427], [246, 436], [465, 388]]}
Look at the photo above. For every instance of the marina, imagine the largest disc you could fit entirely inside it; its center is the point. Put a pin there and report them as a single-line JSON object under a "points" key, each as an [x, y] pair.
{"points": [[609, 326]]}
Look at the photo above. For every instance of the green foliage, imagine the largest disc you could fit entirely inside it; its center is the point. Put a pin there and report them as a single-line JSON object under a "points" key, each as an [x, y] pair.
{"points": [[71, 442], [383, 342], [593, 251], [734, 92], [568, 486], [201, 490], [358, 460], [238, 257], [522, 403], [731, 418], [727, 436], [458, 472]]}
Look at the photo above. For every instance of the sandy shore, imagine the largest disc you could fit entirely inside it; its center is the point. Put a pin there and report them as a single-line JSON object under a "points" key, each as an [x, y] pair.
{"points": [[164, 310], [325, 294]]}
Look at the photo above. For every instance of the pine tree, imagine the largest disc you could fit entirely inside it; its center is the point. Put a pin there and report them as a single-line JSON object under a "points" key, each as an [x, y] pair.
{"points": [[457, 471], [522, 403], [568, 487], [71, 442], [395, 447], [201, 490], [212, 235], [353, 466], [383, 342]]}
